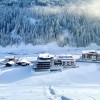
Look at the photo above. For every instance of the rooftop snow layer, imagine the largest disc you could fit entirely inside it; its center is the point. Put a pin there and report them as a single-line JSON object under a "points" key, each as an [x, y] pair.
{"points": [[45, 55], [87, 51]]}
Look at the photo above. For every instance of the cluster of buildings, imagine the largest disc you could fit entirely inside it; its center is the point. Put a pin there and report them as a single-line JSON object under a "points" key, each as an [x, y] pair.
{"points": [[51, 62], [46, 61]]}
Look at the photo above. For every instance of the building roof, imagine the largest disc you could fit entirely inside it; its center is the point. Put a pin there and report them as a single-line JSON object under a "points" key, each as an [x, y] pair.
{"points": [[88, 51], [11, 62], [45, 55], [65, 57], [23, 60]]}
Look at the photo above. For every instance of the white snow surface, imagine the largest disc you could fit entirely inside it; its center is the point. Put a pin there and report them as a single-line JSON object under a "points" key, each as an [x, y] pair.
{"points": [[23, 60], [45, 55], [11, 62], [32, 21], [21, 83]]}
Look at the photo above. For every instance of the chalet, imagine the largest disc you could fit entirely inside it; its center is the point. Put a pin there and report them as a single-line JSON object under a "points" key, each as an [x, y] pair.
{"points": [[90, 55], [9, 61], [23, 62], [65, 61]]}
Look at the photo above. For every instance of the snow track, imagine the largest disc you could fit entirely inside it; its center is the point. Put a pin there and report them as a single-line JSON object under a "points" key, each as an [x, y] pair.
{"points": [[53, 94], [69, 93], [79, 93]]}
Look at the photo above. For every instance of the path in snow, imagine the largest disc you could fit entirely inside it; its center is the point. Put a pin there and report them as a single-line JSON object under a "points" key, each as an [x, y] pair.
{"points": [[52, 94], [78, 93]]}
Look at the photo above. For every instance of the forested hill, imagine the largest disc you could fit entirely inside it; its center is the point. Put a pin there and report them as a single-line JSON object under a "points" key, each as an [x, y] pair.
{"points": [[68, 22]]}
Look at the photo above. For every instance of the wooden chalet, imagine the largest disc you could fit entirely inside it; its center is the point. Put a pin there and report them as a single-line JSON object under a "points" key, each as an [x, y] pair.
{"points": [[90, 55], [65, 61]]}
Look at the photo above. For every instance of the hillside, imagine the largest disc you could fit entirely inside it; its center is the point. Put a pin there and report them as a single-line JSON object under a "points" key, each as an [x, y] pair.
{"points": [[68, 22]]}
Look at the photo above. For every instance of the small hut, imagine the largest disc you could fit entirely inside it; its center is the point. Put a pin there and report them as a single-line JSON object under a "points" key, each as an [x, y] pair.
{"points": [[23, 62], [9, 61]]}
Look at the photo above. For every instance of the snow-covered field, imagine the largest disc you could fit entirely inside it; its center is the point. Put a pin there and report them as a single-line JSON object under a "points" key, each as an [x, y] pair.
{"points": [[21, 83]]}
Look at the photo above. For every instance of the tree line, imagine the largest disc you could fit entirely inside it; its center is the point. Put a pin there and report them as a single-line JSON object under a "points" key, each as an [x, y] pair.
{"points": [[49, 25]]}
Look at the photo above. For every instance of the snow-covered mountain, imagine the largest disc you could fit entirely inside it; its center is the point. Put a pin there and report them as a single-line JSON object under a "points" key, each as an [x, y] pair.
{"points": [[32, 20]]}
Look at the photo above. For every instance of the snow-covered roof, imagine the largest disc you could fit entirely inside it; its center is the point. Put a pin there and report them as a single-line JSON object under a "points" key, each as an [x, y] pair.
{"points": [[23, 60], [11, 62], [64, 57], [70, 56], [45, 55], [88, 51]]}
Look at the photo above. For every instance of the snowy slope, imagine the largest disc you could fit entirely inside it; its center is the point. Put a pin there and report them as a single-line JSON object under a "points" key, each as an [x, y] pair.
{"points": [[21, 83], [86, 74], [73, 84]]}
